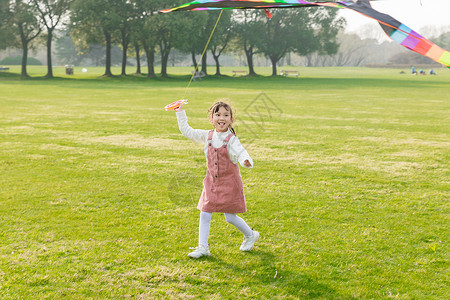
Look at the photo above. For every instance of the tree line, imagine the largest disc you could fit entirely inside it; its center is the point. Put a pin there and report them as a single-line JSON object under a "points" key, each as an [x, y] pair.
{"points": [[136, 25]]}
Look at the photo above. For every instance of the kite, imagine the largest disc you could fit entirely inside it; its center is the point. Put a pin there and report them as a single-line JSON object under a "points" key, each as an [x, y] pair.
{"points": [[396, 30]]}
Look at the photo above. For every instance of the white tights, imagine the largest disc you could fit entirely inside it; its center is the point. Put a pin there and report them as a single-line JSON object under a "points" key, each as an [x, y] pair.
{"points": [[205, 225]]}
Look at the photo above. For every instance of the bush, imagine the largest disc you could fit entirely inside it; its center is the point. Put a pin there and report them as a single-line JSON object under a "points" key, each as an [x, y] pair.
{"points": [[8, 61]]}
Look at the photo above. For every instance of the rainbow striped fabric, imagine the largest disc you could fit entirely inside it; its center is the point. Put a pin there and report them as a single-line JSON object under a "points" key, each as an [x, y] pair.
{"points": [[410, 39], [397, 31]]}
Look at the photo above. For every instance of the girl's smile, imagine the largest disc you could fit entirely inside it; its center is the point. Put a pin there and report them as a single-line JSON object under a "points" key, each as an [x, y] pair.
{"points": [[221, 119]]}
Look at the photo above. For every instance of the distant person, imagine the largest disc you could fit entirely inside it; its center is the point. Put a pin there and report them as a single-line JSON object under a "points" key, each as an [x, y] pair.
{"points": [[432, 72], [422, 72], [413, 71], [223, 191]]}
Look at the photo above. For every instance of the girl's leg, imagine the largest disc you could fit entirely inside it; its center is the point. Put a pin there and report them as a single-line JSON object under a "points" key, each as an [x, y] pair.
{"points": [[239, 223], [205, 225], [250, 236]]}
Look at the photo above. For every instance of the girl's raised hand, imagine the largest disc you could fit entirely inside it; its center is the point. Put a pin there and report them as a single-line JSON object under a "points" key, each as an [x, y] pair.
{"points": [[180, 108]]}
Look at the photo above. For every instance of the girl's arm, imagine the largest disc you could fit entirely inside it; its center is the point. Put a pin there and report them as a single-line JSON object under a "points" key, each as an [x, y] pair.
{"points": [[196, 135], [238, 152]]}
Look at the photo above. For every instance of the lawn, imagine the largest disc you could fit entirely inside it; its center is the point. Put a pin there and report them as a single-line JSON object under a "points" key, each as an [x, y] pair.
{"points": [[350, 188]]}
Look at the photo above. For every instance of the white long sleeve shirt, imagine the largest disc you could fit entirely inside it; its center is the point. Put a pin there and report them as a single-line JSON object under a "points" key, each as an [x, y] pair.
{"points": [[236, 151]]}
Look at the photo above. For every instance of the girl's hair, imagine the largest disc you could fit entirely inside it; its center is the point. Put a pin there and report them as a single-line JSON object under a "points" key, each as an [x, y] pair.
{"points": [[215, 108]]}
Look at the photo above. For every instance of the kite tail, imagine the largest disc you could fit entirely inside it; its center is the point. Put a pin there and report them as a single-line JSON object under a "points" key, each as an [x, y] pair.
{"points": [[417, 43], [410, 39]]}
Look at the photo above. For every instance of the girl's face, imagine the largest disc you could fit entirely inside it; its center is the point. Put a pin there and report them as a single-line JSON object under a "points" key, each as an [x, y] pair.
{"points": [[221, 119]]}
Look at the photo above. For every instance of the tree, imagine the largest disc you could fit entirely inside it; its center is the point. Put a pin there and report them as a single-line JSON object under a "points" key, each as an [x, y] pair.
{"points": [[434, 32], [221, 38], [443, 40], [280, 34], [300, 30], [317, 32], [145, 34], [303, 30], [6, 34], [169, 30], [205, 34], [149, 42], [127, 17], [136, 31], [27, 26], [96, 21], [407, 57], [194, 26], [353, 51], [137, 25], [166, 39], [51, 13], [249, 31], [66, 51], [92, 54]]}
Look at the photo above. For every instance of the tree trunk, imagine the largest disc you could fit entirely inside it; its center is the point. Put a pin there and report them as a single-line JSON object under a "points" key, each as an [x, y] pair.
{"points": [[49, 53], [108, 54], [274, 66], [124, 62], [124, 53], [165, 52], [138, 59], [23, 73], [249, 55], [216, 59], [164, 60], [204, 64], [194, 60], [173, 58], [150, 53]]}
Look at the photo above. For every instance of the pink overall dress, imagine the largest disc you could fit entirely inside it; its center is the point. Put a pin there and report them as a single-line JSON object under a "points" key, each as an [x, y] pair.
{"points": [[222, 187]]}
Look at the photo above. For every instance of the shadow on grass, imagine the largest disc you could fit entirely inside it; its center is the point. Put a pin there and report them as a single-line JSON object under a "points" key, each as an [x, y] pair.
{"points": [[255, 82], [9, 76], [262, 270]]}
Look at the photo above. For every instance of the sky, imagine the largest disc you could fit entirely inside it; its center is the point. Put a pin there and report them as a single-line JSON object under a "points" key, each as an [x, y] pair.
{"points": [[415, 14]]}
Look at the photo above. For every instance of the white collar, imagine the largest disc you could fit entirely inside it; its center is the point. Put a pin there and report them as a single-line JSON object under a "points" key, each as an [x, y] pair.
{"points": [[226, 133]]}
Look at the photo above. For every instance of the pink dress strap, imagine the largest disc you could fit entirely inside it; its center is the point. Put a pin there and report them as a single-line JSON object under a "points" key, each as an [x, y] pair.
{"points": [[227, 139], [210, 135]]}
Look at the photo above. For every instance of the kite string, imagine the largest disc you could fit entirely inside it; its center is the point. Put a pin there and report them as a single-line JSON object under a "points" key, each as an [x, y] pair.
{"points": [[204, 51]]}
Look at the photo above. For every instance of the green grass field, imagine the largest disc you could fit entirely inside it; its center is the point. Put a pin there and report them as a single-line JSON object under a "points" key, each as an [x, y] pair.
{"points": [[350, 188]]}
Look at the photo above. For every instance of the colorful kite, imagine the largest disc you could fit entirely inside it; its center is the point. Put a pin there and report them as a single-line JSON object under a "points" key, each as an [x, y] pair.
{"points": [[397, 31]]}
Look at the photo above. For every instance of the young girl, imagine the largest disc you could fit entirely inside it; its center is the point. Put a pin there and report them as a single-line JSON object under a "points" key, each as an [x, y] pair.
{"points": [[222, 187]]}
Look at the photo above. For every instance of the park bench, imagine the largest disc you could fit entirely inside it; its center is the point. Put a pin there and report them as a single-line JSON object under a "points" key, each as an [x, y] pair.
{"points": [[69, 69], [242, 73], [4, 69], [289, 73], [198, 75]]}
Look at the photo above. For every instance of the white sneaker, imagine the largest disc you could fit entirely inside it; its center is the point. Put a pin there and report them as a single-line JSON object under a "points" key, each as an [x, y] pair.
{"points": [[249, 242], [199, 251]]}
